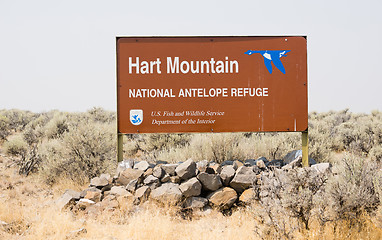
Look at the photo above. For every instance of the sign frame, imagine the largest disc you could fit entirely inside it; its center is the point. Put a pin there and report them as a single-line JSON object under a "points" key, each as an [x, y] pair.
{"points": [[135, 119]]}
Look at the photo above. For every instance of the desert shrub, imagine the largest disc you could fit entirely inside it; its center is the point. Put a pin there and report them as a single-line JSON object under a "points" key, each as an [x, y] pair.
{"points": [[353, 189], [219, 147], [339, 131], [292, 201], [18, 119], [376, 153], [16, 146], [58, 144], [289, 199], [303, 189], [174, 155], [323, 134], [319, 146], [240, 146], [130, 147], [275, 145], [4, 128], [344, 131], [33, 134], [52, 155], [100, 115], [328, 132], [57, 126], [83, 152], [27, 158], [35, 131], [153, 144], [223, 146], [358, 135]]}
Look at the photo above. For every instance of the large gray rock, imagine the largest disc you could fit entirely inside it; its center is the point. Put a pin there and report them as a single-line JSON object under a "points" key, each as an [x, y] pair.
{"points": [[244, 178], [261, 164], [65, 201], [127, 163], [158, 172], [227, 174], [223, 198], [248, 196], [276, 163], [168, 193], [128, 175], [99, 182], [90, 189], [191, 187], [250, 162], [293, 155], [297, 163], [109, 203], [322, 167], [227, 162], [264, 159], [107, 177], [186, 170], [237, 164], [76, 195], [215, 167], [84, 203], [202, 165], [165, 178], [150, 179], [210, 182], [141, 194], [118, 190], [195, 202], [148, 172], [142, 165], [175, 179], [94, 196], [152, 182], [170, 168], [125, 201], [132, 185]]}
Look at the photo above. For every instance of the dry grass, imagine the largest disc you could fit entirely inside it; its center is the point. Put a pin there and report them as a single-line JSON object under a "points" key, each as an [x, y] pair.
{"points": [[27, 203], [28, 208]]}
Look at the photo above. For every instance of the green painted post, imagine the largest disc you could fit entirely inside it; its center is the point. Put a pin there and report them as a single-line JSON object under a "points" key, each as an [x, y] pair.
{"points": [[120, 147], [305, 152]]}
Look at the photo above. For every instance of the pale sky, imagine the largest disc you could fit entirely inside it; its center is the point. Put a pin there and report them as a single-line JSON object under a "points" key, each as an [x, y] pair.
{"points": [[61, 54]]}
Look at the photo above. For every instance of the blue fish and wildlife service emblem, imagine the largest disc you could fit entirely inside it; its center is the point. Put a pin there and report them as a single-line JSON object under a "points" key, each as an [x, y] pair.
{"points": [[271, 56], [136, 116]]}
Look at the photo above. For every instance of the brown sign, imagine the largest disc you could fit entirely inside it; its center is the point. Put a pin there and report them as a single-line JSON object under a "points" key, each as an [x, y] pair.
{"points": [[205, 84]]}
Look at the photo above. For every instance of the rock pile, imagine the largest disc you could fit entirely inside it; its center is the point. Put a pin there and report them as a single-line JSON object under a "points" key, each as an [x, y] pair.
{"points": [[192, 185]]}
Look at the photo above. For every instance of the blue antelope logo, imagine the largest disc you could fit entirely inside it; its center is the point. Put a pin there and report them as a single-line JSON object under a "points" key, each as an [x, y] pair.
{"points": [[136, 119], [136, 116], [271, 56]]}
